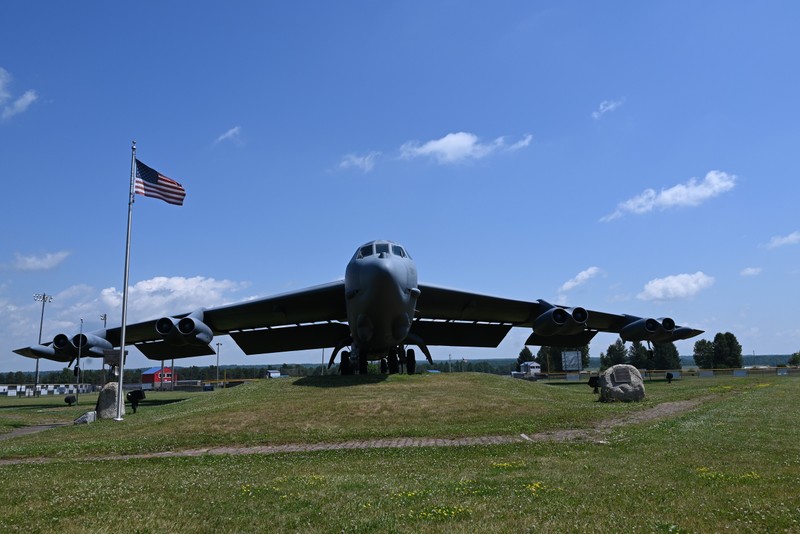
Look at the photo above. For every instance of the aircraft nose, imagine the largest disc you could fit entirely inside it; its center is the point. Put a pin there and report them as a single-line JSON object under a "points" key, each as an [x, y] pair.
{"points": [[380, 272]]}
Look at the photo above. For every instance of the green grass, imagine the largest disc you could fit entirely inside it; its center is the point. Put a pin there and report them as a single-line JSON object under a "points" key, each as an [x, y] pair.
{"points": [[325, 409], [733, 463]]}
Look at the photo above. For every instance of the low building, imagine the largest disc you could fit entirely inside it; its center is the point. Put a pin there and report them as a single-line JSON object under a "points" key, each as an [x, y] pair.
{"points": [[158, 378], [530, 369]]}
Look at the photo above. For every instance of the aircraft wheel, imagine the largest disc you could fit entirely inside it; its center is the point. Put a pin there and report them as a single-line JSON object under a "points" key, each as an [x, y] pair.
{"points": [[411, 362], [394, 364], [384, 366], [344, 365], [363, 364]]}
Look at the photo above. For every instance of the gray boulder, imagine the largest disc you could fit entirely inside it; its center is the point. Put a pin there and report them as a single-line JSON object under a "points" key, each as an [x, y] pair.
{"points": [[621, 383], [107, 402]]}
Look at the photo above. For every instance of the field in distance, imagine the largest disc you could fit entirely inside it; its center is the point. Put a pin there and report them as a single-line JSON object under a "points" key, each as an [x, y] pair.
{"points": [[729, 460]]}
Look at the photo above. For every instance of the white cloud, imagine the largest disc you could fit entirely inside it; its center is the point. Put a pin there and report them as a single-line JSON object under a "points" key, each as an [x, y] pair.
{"points": [[780, 241], [20, 104], [692, 193], [230, 135], [5, 81], [458, 147], [522, 143], [39, 263], [147, 299], [159, 296], [751, 271], [676, 286], [581, 278], [607, 106], [365, 163]]}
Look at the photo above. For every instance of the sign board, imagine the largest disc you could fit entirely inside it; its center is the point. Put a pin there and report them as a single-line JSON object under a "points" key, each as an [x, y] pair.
{"points": [[111, 357], [571, 360], [622, 375]]}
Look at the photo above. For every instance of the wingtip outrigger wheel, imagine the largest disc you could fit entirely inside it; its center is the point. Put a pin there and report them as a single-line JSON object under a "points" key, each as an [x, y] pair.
{"points": [[339, 346]]}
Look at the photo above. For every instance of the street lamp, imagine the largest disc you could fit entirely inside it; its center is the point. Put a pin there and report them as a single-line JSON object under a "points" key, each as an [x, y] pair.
{"points": [[44, 298], [218, 345]]}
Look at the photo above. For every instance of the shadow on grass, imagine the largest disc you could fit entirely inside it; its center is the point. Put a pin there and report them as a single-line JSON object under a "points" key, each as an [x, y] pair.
{"points": [[159, 402], [560, 384], [338, 381], [37, 406]]}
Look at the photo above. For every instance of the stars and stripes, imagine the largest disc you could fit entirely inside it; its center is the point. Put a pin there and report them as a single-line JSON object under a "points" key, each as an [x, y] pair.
{"points": [[152, 183]]}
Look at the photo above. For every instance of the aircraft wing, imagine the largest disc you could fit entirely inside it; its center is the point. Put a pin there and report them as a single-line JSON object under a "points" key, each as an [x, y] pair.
{"points": [[460, 318], [309, 318]]}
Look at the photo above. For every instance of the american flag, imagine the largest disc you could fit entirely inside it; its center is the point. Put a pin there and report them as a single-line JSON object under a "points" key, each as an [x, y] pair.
{"points": [[152, 183]]}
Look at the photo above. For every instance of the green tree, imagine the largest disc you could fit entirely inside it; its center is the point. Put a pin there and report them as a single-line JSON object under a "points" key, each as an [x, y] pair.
{"points": [[615, 354], [665, 356], [525, 355], [64, 377], [704, 354], [734, 358], [727, 351], [794, 359], [639, 356], [584, 356]]}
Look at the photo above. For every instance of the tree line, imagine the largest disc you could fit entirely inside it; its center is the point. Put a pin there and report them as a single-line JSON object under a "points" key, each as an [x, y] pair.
{"points": [[206, 373], [724, 352]]}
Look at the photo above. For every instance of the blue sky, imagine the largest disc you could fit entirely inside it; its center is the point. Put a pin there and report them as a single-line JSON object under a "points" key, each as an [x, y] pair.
{"points": [[637, 157]]}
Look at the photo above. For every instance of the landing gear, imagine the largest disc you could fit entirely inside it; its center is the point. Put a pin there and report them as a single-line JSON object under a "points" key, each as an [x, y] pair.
{"points": [[363, 364], [411, 362], [394, 363], [384, 366], [344, 364]]}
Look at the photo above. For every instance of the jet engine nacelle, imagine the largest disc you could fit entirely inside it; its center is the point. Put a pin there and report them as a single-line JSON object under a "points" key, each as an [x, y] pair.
{"points": [[62, 344], [649, 330], [561, 321], [191, 330], [90, 343]]}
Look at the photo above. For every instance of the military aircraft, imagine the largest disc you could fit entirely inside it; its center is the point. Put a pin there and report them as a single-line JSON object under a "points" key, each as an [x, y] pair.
{"points": [[376, 312]]}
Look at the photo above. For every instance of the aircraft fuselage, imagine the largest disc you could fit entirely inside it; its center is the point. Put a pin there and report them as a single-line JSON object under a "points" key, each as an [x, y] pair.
{"points": [[381, 295]]}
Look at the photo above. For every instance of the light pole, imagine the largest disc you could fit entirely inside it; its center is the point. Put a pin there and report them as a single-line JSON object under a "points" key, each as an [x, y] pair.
{"points": [[44, 298], [78, 365], [218, 345]]}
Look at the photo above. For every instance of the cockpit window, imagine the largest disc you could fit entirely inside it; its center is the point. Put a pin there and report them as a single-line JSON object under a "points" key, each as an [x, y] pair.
{"points": [[397, 250], [365, 251], [381, 247]]}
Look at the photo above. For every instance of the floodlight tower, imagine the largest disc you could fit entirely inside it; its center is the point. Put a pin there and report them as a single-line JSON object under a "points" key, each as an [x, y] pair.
{"points": [[44, 298]]}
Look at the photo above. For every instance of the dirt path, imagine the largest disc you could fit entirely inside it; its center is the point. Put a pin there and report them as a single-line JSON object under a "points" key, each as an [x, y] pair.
{"points": [[32, 429], [596, 434]]}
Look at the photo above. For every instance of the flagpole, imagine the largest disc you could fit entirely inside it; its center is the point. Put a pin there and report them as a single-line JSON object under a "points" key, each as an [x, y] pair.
{"points": [[125, 286]]}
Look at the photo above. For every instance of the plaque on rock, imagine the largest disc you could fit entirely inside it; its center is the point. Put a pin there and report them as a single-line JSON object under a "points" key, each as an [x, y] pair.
{"points": [[622, 375]]}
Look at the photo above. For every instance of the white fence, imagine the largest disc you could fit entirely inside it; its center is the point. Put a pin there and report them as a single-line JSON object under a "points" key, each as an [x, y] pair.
{"points": [[14, 390]]}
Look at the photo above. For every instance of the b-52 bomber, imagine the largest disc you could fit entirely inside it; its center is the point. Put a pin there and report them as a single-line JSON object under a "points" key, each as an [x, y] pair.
{"points": [[376, 313]]}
